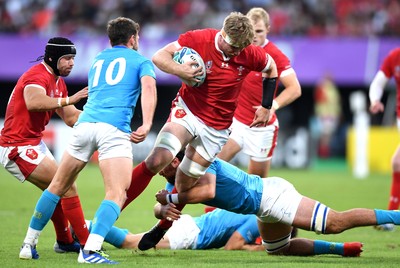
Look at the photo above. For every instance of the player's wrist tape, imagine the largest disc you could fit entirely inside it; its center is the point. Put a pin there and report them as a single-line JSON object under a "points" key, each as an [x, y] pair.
{"points": [[172, 198], [59, 102], [269, 85], [275, 105]]}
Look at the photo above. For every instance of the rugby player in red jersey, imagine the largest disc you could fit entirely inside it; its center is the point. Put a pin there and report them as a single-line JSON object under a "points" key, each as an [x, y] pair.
{"points": [[40, 92], [201, 116]]}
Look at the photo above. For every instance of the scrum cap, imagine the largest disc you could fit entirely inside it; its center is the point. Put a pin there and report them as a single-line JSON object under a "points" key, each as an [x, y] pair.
{"points": [[57, 48]]}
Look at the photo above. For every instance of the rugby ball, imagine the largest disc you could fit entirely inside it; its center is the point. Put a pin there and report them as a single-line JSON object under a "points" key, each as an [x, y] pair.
{"points": [[188, 54]]}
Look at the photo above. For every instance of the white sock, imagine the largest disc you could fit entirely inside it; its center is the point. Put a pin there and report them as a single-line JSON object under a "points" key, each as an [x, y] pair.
{"points": [[32, 236], [94, 242]]}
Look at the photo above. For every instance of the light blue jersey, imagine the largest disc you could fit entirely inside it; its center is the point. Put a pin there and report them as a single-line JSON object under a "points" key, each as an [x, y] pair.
{"points": [[217, 226], [114, 87], [236, 190]]}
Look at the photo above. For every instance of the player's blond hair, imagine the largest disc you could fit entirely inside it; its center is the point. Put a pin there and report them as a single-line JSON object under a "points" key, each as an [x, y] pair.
{"points": [[239, 29], [258, 13]]}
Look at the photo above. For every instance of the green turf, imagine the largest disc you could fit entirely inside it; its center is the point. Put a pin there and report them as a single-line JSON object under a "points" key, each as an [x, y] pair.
{"points": [[334, 187]]}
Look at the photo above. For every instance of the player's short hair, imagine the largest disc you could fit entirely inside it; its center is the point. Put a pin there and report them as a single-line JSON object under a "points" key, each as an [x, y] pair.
{"points": [[258, 13], [119, 30], [239, 29], [56, 48]]}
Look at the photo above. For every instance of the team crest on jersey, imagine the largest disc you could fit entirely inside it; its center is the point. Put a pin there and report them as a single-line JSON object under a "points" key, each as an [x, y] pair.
{"points": [[180, 113], [32, 154], [208, 66], [240, 69]]}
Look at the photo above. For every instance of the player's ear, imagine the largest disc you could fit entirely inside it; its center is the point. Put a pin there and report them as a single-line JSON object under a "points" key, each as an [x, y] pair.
{"points": [[133, 40], [175, 162]]}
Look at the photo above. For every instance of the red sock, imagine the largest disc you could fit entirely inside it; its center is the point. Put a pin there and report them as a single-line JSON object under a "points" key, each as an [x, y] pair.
{"points": [[141, 177], [73, 211], [61, 227], [394, 200], [166, 224]]}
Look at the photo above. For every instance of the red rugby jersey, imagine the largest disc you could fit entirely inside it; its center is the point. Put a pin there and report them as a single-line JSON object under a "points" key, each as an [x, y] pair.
{"points": [[215, 101], [22, 127], [251, 93]]}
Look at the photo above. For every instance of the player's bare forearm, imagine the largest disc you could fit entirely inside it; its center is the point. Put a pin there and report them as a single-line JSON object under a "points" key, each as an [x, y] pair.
{"points": [[291, 92], [163, 59], [149, 102]]}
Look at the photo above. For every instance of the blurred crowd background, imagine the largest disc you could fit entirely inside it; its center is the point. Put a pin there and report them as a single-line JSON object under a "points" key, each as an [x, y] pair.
{"points": [[162, 18]]}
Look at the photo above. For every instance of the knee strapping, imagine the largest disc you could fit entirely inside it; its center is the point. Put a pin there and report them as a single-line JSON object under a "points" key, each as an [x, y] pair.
{"points": [[168, 141], [191, 168], [319, 218], [276, 245]]}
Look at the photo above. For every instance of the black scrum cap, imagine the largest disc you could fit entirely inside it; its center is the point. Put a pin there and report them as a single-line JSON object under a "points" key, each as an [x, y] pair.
{"points": [[56, 48]]}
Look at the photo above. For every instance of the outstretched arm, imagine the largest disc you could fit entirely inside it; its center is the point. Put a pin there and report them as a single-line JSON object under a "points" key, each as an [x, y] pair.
{"points": [[203, 191]]}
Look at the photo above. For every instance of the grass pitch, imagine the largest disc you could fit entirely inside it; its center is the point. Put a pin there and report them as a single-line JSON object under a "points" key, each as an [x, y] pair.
{"points": [[334, 187]]}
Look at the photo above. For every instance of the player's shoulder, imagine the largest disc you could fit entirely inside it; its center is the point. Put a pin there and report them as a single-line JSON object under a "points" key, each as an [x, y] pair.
{"points": [[38, 72], [198, 36], [272, 49], [204, 32], [394, 52]]}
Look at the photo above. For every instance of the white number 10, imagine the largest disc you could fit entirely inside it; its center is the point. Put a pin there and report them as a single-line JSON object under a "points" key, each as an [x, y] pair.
{"points": [[120, 63]]}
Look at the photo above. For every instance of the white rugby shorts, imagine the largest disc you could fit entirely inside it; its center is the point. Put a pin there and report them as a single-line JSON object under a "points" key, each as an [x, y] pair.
{"points": [[183, 233], [208, 141], [108, 140], [257, 142], [280, 201], [21, 161]]}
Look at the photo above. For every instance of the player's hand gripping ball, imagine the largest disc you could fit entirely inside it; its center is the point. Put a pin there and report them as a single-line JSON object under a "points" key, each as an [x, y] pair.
{"points": [[187, 54]]}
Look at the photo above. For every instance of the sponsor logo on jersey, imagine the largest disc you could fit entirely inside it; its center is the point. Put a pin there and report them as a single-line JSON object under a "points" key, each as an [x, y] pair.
{"points": [[224, 65]]}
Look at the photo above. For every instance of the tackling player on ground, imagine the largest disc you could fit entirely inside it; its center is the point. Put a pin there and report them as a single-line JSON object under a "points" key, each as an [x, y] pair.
{"points": [[277, 205]]}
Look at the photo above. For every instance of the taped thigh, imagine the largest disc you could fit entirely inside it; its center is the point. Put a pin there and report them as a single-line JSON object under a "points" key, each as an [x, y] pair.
{"points": [[168, 141], [191, 168]]}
